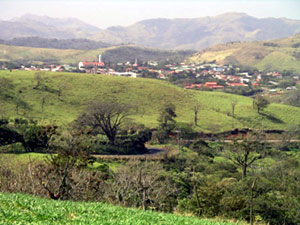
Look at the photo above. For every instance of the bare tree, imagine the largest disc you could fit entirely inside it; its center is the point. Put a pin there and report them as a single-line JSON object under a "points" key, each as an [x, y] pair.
{"points": [[142, 184], [108, 116], [71, 155]]}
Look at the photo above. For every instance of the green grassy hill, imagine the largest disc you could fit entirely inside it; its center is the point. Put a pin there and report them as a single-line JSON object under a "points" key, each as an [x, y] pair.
{"points": [[25, 209], [46, 55], [146, 95], [281, 54], [124, 53]]}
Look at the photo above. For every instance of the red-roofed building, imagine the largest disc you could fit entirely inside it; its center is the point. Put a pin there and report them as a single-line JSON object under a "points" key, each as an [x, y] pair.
{"points": [[90, 65], [237, 85], [211, 84], [82, 65]]}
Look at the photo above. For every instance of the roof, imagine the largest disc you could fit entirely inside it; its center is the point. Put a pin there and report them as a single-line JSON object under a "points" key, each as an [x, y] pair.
{"points": [[211, 84], [237, 84], [93, 63]]}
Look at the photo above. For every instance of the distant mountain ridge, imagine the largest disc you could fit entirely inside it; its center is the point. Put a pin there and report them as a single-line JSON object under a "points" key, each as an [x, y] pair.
{"points": [[200, 33], [45, 27], [196, 34]]}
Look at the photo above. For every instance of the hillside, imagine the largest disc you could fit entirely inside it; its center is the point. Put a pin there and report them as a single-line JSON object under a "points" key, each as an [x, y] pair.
{"points": [[281, 54], [30, 55], [37, 42], [21, 209], [199, 33], [132, 53], [146, 95]]}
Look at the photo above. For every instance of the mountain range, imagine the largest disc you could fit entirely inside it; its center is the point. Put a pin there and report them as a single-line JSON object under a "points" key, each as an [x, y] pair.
{"points": [[196, 34]]}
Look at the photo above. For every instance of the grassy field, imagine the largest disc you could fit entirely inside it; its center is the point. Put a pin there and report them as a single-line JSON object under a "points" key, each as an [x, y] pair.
{"points": [[123, 53], [25, 209], [279, 55], [41, 55], [147, 96]]}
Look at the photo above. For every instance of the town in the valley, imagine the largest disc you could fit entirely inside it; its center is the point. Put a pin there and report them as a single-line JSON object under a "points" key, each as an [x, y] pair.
{"points": [[205, 76]]}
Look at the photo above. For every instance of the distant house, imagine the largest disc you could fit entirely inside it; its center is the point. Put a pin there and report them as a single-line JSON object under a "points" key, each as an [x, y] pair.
{"points": [[126, 74], [219, 69], [210, 84], [90, 65]]}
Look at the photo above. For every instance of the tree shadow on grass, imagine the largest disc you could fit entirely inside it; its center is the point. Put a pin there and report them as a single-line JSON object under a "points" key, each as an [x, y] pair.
{"points": [[271, 118]]}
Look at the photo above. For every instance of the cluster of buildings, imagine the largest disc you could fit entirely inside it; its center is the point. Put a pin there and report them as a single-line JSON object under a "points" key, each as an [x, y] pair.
{"points": [[195, 76]]}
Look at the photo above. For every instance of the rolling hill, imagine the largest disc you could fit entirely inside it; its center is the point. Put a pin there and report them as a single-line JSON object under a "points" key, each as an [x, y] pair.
{"points": [[147, 96], [30, 55], [281, 54]]}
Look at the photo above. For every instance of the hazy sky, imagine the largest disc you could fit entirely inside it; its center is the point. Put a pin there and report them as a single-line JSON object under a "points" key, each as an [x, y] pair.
{"points": [[105, 13]]}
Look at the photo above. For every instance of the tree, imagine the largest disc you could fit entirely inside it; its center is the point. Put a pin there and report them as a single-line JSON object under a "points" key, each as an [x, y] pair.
{"points": [[56, 176], [38, 76], [196, 109], [259, 103], [143, 184], [6, 90], [167, 115], [106, 116], [233, 105], [244, 153], [21, 103]]}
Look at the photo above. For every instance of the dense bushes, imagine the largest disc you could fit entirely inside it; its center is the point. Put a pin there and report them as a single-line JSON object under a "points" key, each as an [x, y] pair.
{"points": [[193, 181], [205, 179]]}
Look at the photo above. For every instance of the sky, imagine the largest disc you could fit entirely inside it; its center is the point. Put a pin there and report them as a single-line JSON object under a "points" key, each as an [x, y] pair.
{"points": [[106, 13]]}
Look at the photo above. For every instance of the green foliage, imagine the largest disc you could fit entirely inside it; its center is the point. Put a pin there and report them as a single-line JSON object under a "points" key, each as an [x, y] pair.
{"points": [[38, 42], [292, 98], [286, 83], [131, 53], [167, 116], [260, 103], [17, 208]]}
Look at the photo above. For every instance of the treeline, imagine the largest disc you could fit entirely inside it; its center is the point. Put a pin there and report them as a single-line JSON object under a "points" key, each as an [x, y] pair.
{"points": [[37, 42], [131, 53]]}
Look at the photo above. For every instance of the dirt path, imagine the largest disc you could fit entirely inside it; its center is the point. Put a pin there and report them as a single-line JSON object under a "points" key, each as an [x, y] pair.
{"points": [[152, 154]]}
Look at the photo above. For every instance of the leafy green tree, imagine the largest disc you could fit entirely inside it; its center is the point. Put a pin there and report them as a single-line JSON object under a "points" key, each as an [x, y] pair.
{"points": [[260, 103], [167, 116], [34, 137]]}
